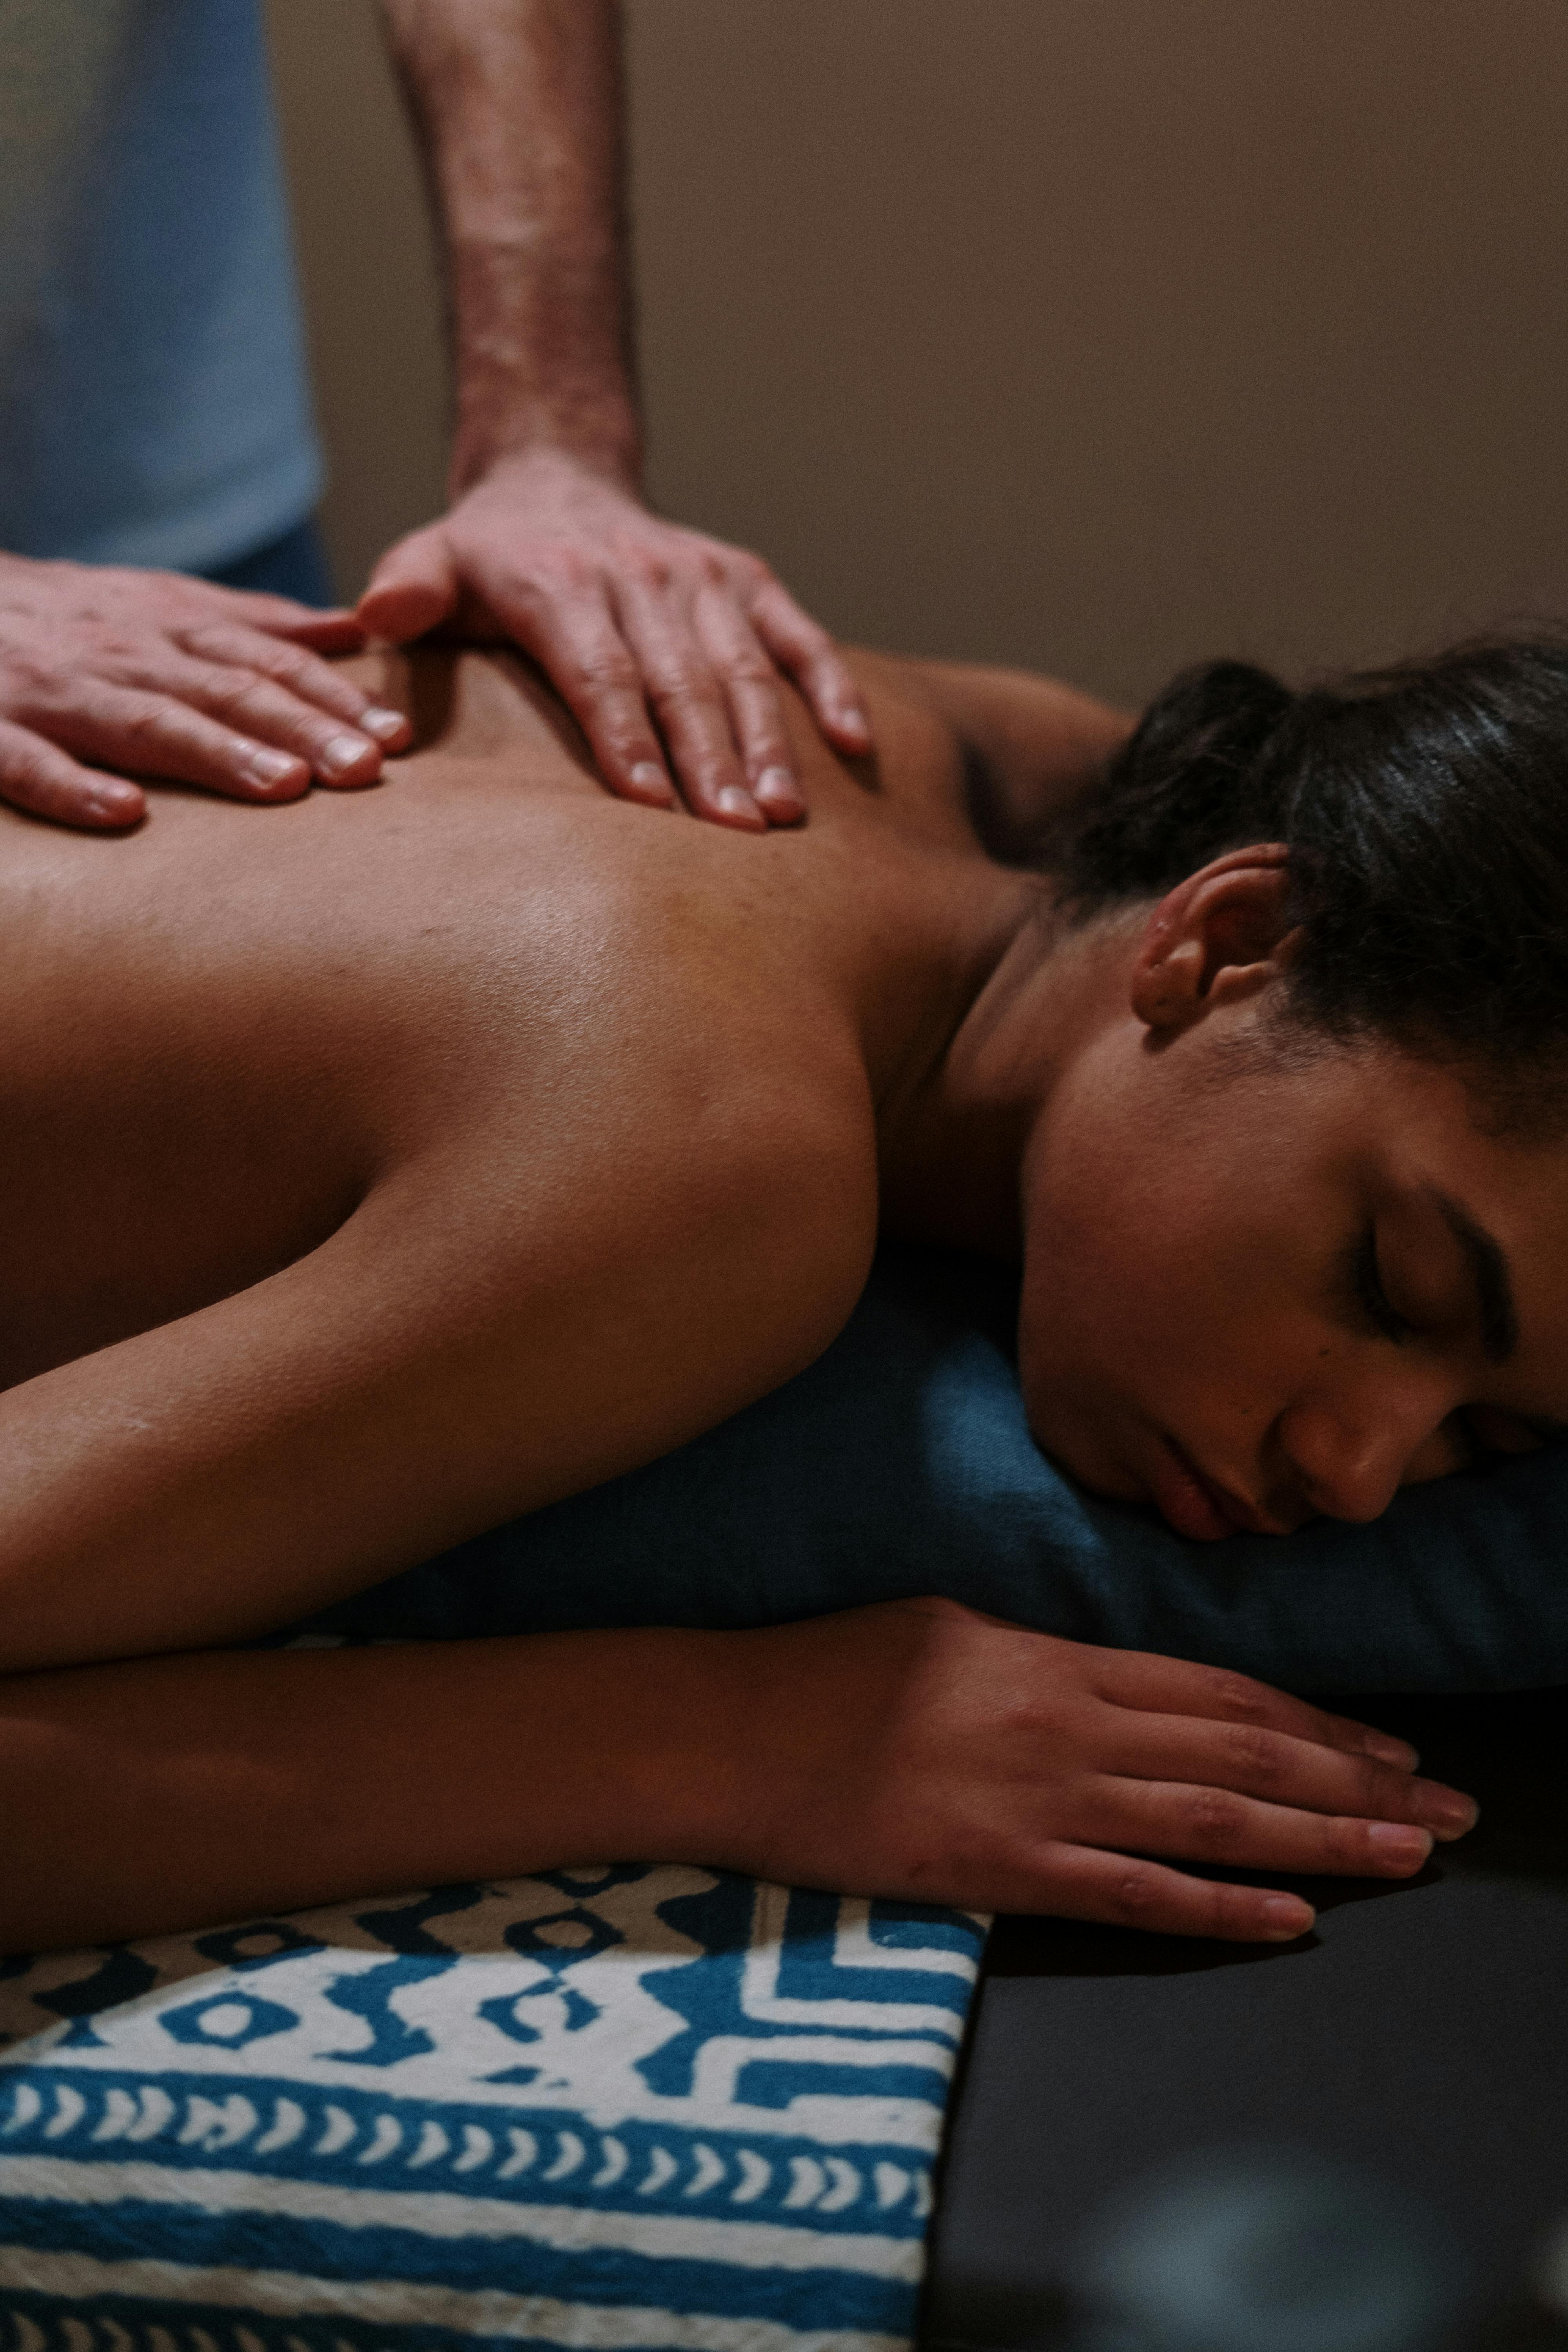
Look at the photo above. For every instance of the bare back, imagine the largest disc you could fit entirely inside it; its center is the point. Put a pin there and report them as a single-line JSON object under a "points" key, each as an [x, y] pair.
{"points": [[481, 1120]]}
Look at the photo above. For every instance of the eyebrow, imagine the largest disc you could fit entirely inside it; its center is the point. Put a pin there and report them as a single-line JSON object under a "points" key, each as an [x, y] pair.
{"points": [[1488, 1269]]}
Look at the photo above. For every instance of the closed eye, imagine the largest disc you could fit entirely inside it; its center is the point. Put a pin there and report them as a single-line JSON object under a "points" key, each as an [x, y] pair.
{"points": [[1366, 1287]]}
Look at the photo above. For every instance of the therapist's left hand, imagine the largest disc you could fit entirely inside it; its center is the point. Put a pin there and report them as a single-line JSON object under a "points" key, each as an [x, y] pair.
{"points": [[665, 644]]}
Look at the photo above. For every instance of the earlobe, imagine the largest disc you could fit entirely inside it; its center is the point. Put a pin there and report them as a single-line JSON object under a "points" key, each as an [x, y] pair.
{"points": [[1218, 938]]}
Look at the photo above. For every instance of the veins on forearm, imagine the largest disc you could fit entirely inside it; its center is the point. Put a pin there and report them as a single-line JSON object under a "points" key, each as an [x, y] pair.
{"points": [[517, 107]]}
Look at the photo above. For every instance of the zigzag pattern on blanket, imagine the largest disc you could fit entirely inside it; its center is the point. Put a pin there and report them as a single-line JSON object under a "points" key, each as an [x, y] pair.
{"points": [[633, 2106]]}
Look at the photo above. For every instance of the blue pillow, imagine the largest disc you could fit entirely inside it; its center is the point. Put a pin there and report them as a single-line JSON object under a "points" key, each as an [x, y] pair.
{"points": [[901, 1462]]}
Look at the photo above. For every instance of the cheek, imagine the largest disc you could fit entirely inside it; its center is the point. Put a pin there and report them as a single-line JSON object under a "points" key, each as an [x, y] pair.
{"points": [[1149, 1301], [1118, 1318]]}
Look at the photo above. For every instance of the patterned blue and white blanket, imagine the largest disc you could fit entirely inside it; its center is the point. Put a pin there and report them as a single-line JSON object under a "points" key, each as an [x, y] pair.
{"points": [[624, 2107]]}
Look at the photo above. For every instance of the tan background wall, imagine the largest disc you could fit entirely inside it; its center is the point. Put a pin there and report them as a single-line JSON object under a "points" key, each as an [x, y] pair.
{"points": [[1093, 334]]}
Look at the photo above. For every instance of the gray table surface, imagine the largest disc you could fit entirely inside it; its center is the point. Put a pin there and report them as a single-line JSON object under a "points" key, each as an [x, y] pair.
{"points": [[1420, 2036]]}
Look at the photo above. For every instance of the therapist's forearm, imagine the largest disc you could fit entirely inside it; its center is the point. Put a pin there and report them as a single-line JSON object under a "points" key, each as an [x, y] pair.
{"points": [[518, 108]]}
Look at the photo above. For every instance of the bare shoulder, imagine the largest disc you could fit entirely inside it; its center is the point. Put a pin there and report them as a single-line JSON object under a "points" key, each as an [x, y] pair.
{"points": [[1028, 746], [1039, 714], [638, 1242]]}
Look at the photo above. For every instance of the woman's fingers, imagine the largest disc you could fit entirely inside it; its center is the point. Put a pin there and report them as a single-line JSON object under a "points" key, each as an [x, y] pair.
{"points": [[1253, 1760], [37, 776], [1196, 1821], [1141, 1680], [1119, 1890]]}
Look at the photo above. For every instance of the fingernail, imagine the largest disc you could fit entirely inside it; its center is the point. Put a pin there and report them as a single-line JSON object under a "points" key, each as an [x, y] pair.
{"points": [[1447, 1812], [650, 778], [1397, 1845], [734, 801], [855, 722], [777, 786], [1286, 1916], [344, 752], [116, 801], [383, 724], [1389, 1751], [264, 766]]}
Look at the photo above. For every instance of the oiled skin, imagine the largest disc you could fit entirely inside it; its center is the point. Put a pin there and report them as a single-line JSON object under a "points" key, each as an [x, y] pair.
{"points": [[453, 1146], [377, 1168]]}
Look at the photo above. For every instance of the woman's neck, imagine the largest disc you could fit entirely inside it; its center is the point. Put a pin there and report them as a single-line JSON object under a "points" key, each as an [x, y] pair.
{"points": [[954, 1139]]}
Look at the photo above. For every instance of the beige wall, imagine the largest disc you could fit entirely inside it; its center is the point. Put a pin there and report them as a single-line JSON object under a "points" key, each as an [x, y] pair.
{"points": [[1088, 333]]}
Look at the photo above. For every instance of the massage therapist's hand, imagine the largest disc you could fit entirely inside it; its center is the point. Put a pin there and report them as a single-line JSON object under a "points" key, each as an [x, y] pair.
{"points": [[152, 674], [917, 1749], [660, 639]]}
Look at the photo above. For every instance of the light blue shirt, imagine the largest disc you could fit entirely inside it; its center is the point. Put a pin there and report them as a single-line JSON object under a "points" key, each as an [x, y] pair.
{"points": [[153, 406]]}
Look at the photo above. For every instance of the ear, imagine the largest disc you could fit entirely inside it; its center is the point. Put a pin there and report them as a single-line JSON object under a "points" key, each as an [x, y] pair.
{"points": [[1218, 939]]}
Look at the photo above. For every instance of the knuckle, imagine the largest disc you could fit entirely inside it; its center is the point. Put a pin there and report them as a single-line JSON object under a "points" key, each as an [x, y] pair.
{"points": [[939, 1605], [286, 665], [1243, 1701], [142, 720], [1351, 1843], [31, 684], [601, 672], [25, 766], [644, 566], [676, 679], [1255, 1752], [208, 640], [1136, 1899], [240, 695], [1210, 1818], [563, 571]]}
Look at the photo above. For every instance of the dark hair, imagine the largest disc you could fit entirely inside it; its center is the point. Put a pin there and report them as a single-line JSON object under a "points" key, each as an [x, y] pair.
{"points": [[1426, 812]]}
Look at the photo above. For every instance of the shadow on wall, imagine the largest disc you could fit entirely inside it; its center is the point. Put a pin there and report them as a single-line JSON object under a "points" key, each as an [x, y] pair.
{"points": [[1093, 334]]}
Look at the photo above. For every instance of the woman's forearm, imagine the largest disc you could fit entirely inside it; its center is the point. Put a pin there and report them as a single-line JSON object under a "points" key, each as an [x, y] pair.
{"points": [[174, 1793], [911, 1749]]}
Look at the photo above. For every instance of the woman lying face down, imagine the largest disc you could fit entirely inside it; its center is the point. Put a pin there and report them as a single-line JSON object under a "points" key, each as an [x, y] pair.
{"points": [[1294, 1210], [390, 1166]]}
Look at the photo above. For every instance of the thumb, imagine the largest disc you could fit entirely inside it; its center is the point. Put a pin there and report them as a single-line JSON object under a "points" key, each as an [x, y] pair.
{"points": [[412, 589]]}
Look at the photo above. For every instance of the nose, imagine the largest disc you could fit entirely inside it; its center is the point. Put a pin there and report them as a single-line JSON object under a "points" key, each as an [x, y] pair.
{"points": [[1350, 1453]]}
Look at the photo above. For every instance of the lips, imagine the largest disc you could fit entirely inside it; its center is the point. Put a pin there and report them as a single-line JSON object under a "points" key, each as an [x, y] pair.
{"points": [[1196, 1507]]}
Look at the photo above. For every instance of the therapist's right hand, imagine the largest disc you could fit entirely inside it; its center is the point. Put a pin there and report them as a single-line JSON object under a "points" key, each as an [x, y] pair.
{"points": [[108, 674]]}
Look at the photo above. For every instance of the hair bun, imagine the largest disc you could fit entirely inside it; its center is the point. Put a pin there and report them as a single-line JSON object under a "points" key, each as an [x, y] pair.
{"points": [[1189, 784]]}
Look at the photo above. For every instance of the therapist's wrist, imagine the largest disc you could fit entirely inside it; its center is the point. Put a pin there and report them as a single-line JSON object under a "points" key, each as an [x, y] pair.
{"points": [[582, 406], [550, 445]]}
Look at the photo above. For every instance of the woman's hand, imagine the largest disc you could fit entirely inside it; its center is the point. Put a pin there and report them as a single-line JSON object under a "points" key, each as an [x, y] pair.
{"points": [[918, 1750], [914, 1750], [150, 673], [660, 639]]}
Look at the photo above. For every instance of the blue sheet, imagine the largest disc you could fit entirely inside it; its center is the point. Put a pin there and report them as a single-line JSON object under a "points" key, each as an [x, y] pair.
{"points": [[901, 1462]]}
